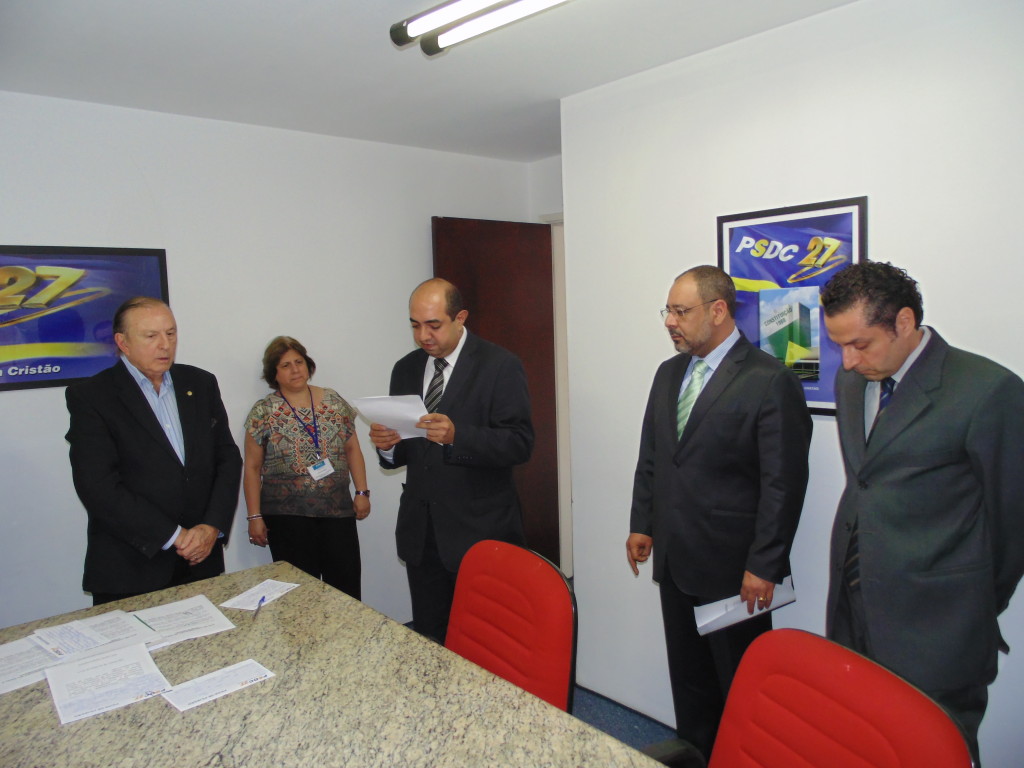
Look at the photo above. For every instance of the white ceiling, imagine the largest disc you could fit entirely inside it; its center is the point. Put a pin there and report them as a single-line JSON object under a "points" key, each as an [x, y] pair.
{"points": [[329, 67]]}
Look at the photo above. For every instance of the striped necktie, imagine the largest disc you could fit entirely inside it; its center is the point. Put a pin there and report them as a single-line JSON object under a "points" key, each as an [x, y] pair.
{"points": [[436, 388], [690, 394]]}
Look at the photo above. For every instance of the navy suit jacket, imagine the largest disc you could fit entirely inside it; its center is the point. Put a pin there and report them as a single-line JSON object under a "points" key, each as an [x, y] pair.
{"points": [[135, 489], [726, 497], [467, 487], [938, 496]]}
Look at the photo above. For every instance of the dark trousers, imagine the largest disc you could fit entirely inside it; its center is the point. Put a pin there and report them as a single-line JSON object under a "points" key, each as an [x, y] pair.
{"points": [[701, 668], [326, 548], [183, 574], [432, 588], [965, 705]]}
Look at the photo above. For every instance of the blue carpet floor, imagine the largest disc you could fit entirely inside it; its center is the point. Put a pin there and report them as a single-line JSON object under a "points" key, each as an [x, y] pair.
{"points": [[616, 720]]}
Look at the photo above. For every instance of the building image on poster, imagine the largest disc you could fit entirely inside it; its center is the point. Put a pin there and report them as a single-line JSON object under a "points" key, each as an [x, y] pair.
{"points": [[57, 307], [779, 260]]}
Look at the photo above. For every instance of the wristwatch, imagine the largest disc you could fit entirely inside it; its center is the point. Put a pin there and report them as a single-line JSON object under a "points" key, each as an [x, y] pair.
{"points": [[365, 493]]}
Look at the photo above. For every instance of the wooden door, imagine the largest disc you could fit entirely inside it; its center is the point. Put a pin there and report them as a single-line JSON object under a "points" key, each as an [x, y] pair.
{"points": [[503, 270]]}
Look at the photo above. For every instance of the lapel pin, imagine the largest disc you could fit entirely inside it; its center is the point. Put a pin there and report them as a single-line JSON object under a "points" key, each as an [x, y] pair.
{"points": [[189, 393]]}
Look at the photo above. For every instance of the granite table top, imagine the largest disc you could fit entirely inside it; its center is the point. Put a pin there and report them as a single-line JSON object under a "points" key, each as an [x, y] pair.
{"points": [[351, 688]]}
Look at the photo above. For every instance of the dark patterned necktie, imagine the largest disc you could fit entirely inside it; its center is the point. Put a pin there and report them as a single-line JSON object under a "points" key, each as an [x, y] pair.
{"points": [[436, 388]]}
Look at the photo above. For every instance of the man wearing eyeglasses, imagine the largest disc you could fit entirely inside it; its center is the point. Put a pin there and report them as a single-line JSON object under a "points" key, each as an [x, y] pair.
{"points": [[718, 489]]}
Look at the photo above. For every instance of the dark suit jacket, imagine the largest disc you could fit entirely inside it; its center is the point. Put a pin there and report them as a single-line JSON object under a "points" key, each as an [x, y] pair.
{"points": [[726, 498], [939, 496], [468, 486], [134, 487]]}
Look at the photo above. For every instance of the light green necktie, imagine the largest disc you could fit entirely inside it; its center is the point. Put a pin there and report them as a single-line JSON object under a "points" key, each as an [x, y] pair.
{"points": [[689, 396]]}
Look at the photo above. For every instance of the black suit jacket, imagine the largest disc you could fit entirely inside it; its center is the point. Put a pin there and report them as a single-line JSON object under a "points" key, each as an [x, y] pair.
{"points": [[132, 484], [937, 493], [727, 496], [467, 487]]}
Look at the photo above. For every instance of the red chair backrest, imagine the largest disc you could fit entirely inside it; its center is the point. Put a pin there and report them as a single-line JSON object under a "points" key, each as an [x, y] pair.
{"points": [[800, 700], [514, 614]]}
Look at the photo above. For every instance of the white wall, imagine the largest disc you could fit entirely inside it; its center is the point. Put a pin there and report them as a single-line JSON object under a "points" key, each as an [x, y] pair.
{"points": [[917, 105], [266, 232]]}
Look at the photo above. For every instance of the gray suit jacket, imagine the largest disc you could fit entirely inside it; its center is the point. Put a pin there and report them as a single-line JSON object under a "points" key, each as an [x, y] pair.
{"points": [[726, 498], [938, 492]]}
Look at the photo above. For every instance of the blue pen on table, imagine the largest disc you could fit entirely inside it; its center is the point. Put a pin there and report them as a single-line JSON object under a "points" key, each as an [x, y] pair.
{"points": [[258, 606]]}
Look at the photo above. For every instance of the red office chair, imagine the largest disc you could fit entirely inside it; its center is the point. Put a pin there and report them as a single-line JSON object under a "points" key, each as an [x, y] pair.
{"points": [[800, 700], [514, 614]]}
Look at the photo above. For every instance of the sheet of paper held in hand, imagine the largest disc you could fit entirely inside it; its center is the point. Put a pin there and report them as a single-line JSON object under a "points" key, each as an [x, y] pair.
{"points": [[250, 599], [732, 610], [401, 413], [103, 681], [217, 684], [184, 619]]}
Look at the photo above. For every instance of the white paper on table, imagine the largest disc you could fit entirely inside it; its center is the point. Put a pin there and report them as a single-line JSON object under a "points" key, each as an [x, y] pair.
{"points": [[732, 610], [217, 684], [101, 682], [110, 630], [67, 639], [184, 619], [400, 412], [250, 599], [22, 663]]}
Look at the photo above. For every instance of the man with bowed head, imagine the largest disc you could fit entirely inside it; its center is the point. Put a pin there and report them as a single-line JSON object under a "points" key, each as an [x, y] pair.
{"points": [[153, 461], [718, 489], [459, 486], [928, 540]]}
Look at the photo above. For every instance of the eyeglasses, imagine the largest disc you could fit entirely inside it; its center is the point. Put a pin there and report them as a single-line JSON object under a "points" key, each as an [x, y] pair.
{"points": [[682, 312]]}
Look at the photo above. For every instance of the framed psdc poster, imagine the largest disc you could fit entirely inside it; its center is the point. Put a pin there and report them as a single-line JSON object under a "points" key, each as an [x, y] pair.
{"points": [[779, 260], [57, 307]]}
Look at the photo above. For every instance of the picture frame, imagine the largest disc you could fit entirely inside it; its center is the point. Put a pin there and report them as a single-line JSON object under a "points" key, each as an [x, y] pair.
{"points": [[57, 307], [779, 260]]}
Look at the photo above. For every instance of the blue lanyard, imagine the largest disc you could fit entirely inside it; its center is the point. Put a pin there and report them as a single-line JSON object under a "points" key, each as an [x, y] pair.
{"points": [[315, 431]]}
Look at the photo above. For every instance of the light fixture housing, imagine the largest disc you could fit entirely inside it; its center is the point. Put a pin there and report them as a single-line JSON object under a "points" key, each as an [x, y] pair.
{"points": [[459, 20], [407, 31]]}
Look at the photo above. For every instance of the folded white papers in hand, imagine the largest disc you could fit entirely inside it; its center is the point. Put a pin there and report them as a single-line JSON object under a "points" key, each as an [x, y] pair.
{"points": [[732, 610], [400, 412]]}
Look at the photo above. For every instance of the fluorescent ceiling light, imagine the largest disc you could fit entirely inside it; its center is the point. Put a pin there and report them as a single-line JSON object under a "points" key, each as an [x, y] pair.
{"points": [[445, 15], [457, 21], [404, 32]]}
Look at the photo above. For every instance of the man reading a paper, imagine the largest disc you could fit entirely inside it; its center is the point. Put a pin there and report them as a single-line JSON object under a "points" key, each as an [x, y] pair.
{"points": [[718, 489], [459, 487]]}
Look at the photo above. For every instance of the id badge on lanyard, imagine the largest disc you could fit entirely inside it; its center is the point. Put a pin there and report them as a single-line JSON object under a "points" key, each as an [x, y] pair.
{"points": [[322, 467]]}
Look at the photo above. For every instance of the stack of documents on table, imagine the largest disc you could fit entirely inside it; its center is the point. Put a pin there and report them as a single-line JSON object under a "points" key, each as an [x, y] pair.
{"points": [[103, 662], [23, 662]]}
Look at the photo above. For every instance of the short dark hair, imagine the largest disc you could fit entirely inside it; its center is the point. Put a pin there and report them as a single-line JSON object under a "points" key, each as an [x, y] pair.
{"points": [[135, 302], [713, 284], [278, 348], [880, 288], [453, 301]]}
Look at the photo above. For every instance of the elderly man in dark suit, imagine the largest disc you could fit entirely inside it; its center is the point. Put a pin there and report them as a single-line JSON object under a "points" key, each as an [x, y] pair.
{"points": [[153, 462], [459, 486], [718, 489], [928, 541]]}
